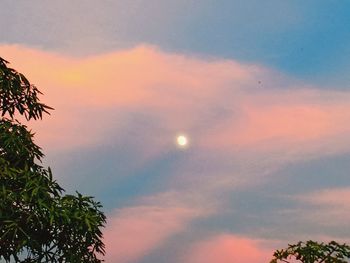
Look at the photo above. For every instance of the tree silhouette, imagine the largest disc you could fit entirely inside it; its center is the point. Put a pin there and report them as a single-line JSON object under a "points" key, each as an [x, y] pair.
{"points": [[313, 252], [38, 223]]}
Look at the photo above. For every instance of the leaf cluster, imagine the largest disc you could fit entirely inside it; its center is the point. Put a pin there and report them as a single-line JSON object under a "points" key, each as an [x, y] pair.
{"points": [[38, 223], [313, 252], [17, 94]]}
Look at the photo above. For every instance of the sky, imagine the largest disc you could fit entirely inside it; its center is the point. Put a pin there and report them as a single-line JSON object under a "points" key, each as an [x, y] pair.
{"points": [[260, 89]]}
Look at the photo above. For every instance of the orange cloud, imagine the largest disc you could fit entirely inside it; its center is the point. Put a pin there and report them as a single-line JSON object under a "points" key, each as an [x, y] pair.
{"points": [[218, 103], [228, 108], [86, 91], [125, 77], [220, 100], [228, 249]]}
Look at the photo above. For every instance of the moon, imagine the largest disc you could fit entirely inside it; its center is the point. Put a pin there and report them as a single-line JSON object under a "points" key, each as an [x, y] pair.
{"points": [[182, 140]]}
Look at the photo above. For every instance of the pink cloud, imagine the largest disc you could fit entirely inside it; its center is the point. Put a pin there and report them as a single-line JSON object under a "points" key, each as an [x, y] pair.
{"points": [[221, 106], [280, 123], [182, 93], [329, 197], [327, 207], [218, 103], [227, 248], [133, 232], [85, 91]]}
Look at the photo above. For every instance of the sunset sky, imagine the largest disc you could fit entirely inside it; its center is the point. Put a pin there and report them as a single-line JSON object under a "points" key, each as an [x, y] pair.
{"points": [[260, 89]]}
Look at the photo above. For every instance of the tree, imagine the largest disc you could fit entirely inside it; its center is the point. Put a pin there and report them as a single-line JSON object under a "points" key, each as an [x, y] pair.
{"points": [[38, 223], [313, 252]]}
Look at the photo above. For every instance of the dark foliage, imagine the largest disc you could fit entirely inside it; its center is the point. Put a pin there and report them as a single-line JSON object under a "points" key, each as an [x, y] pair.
{"points": [[313, 252], [38, 223]]}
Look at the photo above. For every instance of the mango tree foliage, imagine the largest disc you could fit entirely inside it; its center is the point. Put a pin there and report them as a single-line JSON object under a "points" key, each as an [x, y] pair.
{"points": [[313, 252], [38, 223]]}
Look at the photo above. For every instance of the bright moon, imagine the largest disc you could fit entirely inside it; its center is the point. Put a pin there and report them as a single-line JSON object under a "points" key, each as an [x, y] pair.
{"points": [[182, 140]]}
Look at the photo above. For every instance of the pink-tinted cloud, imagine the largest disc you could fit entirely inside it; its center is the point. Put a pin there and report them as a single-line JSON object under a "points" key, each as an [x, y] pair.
{"points": [[96, 94], [329, 197], [134, 232], [228, 108], [284, 122], [243, 122], [327, 207], [84, 92], [228, 248]]}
